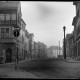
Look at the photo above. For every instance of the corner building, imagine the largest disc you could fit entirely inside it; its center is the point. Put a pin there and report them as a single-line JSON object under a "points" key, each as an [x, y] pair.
{"points": [[10, 17]]}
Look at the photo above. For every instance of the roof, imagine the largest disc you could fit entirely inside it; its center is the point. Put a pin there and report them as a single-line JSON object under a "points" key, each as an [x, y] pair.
{"points": [[9, 4], [23, 21]]}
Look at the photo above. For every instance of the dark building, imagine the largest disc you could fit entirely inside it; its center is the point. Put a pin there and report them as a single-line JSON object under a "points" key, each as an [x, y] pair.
{"points": [[76, 24]]}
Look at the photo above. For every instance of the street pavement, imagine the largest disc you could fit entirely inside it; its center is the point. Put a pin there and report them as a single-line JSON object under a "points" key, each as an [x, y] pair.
{"points": [[7, 70], [53, 68], [11, 73], [68, 59], [42, 69]]}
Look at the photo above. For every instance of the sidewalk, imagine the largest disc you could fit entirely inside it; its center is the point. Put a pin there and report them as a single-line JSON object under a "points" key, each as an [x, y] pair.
{"points": [[68, 59], [25, 60], [12, 73]]}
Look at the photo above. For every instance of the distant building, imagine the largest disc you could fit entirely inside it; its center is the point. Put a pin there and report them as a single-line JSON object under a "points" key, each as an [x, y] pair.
{"points": [[54, 51], [42, 50], [35, 49], [31, 45]]}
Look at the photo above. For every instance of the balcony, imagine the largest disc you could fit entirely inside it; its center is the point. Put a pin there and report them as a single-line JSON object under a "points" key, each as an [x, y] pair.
{"points": [[14, 23]]}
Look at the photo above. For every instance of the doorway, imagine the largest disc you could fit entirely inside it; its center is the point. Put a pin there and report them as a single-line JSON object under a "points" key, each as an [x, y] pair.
{"points": [[9, 55]]}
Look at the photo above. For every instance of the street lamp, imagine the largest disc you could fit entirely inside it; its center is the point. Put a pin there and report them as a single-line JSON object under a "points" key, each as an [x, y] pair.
{"points": [[64, 44]]}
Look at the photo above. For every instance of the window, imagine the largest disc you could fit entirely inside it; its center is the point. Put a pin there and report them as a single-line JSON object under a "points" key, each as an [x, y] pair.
{"points": [[13, 16], [7, 32], [22, 52], [2, 17], [7, 16], [22, 38], [2, 32]]}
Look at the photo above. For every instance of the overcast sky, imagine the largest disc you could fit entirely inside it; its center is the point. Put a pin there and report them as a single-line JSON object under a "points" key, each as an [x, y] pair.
{"points": [[46, 20]]}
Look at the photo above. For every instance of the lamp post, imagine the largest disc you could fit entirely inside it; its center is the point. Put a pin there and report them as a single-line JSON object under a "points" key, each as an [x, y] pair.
{"points": [[64, 44]]}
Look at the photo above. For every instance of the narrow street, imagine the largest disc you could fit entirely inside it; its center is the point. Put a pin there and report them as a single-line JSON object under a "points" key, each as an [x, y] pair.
{"points": [[43, 36], [52, 68], [49, 68]]}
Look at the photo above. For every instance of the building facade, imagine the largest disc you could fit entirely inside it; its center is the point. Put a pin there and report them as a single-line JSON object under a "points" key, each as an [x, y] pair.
{"points": [[76, 24], [10, 18], [35, 50], [70, 45], [31, 45], [42, 50], [54, 51]]}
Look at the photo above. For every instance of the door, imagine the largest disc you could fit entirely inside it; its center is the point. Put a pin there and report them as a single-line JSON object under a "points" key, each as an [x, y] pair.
{"points": [[8, 55]]}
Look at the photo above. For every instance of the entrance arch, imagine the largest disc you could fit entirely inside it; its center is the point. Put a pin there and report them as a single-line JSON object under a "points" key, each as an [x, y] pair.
{"points": [[9, 55]]}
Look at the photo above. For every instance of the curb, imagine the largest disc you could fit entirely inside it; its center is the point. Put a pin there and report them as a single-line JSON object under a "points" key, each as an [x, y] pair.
{"points": [[72, 61], [10, 73]]}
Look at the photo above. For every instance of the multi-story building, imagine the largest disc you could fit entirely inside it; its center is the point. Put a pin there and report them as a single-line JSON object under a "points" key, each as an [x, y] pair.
{"points": [[31, 45], [54, 52], [35, 50], [42, 50], [22, 41], [69, 45], [27, 42], [76, 24], [10, 18]]}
